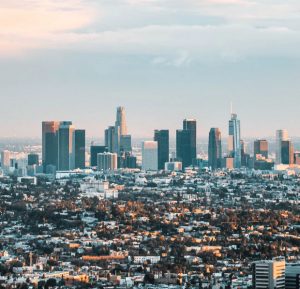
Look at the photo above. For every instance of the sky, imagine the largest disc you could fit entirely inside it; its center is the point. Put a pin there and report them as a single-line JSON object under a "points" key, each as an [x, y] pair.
{"points": [[163, 60]]}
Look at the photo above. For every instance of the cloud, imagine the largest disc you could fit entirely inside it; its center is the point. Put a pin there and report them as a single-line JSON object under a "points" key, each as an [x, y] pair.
{"points": [[26, 25]]}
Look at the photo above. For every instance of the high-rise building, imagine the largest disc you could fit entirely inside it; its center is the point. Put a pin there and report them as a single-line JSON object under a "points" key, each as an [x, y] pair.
{"points": [[287, 152], [94, 151], [66, 146], [107, 161], [110, 139], [191, 125], [162, 139], [183, 147], [281, 135], [5, 159], [261, 148], [125, 144], [121, 120], [269, 274], [33, 159], [149, 156], [215, 149], [79, 149], [235, 140], [50, 144], [292, 276]]}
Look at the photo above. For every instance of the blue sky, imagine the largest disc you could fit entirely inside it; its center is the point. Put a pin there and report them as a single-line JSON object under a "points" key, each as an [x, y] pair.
{"points": [[163, 60]]}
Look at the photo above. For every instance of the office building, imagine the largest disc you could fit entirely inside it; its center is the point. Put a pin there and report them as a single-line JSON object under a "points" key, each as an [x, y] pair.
{"points": [[261, 149], [269, 274], [107, 161], [121, 120], [162, 139], [234, 141], [66, 146], [173, 166], [191, 125], [125, 144], [281, 135], [287, 152], [33, 159], [5, 159], [94, 151], [50, 145], [215, 149], [79, 149], [183, 147], [110, 139], [292, 276], [149, 156]]}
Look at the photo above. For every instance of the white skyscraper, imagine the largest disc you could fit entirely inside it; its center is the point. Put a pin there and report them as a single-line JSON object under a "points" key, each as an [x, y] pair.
{"points": [[150, 156], [281, 135], [107, 161]]}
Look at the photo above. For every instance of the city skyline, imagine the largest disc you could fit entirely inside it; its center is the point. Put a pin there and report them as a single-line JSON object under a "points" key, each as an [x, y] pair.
{"points": [[76, 60]]}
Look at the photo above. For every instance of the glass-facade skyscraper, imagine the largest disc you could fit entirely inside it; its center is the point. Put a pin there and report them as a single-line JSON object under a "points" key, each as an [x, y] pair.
{"points": [[191, 125], [235, 140], [162, 139], [215, 149]]}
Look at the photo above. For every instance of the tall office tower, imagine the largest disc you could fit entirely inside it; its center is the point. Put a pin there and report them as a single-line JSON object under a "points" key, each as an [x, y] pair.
{"points": [[215, 149], [5, 159], [261, 147], [281, 135], [183, 147], [125, 144], [33, 159], [79, 148], [150, 156], [110, 138], [66, 146], [191, 125], [107, 161], [292, 276], [50, 144], [94, 151], [162, 139], [287, 152], [269, 274], [121, 120], [235, 140]]}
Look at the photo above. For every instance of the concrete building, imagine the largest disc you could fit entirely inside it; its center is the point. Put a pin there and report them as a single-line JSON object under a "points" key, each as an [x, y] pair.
{"points": [[107, 161], [281, 135], [269, 274], [150, 156]]}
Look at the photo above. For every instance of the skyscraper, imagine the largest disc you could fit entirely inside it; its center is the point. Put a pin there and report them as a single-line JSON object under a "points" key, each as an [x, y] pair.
{"points": [[215, 149], [50, 144], [183, 147], [66, 146], [79, 149], [191, 125], [149, 156], [94, 151], [287, 152], [33, 159], [107, 161], [5, 159], [281, 135], [110, 138], [121, 120], [162, 139], [125, 144], [234, 140], [261, 147]]}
